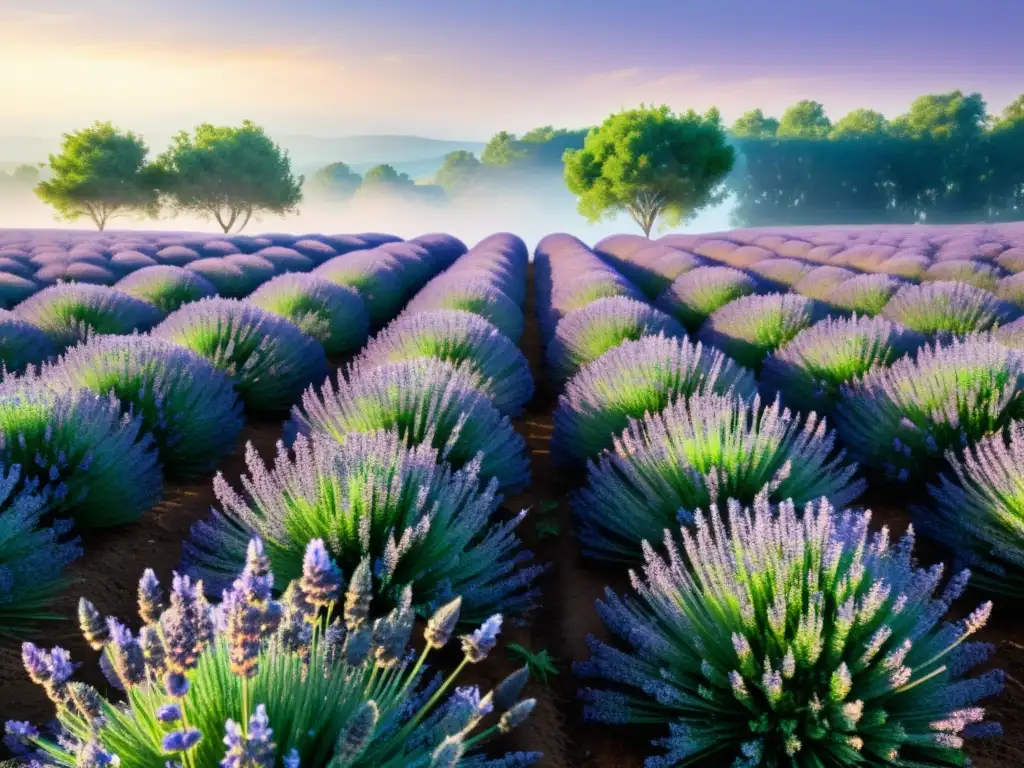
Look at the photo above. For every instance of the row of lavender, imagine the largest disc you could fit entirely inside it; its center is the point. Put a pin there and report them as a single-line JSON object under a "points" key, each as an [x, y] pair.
{"points": [[31, 260], [91, 434], [767, 635], [393, 476]]}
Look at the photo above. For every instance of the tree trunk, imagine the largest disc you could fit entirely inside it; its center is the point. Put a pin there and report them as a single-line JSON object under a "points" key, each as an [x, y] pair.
{"points": [[245, 221]]}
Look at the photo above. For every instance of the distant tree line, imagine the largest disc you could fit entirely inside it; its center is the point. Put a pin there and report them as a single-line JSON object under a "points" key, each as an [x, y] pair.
{"points": [[946, 160], [227, 174]]}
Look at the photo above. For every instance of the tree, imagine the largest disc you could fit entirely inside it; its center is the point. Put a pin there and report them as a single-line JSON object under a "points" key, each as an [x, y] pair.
{"points": [[386, 176], [337, 180], [1012, 116], [804, 120], [650, 162], [100, 172], [944, 116], [458, 170], [860, 122], [229, 174], [501, 149], [26, 174], [754, 125]]}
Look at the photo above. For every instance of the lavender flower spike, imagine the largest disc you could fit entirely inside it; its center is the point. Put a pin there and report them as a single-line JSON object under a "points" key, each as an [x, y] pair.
{"points": [[479, 644]]}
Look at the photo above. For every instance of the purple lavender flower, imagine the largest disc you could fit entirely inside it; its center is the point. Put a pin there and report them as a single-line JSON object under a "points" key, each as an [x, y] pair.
{"points": [[254, 748], [151, 597], [374, 274], [635, 378], [442, 624], [462, 339], [187, 625], [820, 281], [181, 741], [942, 309], [427, 400], [21, 343], [269, 359], [357, 734], [321, 579], [477, 296], [18, 737], [126, 654], [794, 668], [976, 273], [478, 645], [864, 294], [166, 287], [94, 755], [696, 295]]}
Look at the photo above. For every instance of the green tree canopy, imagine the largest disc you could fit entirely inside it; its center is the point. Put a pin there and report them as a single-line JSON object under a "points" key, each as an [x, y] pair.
{"points": [[860, 122], [386, 176], [229, 174], [337, 180], [944, 116], [804, 120], [1012, 116], [100, 172], [458, 170], [26, 174], [501, 149], [754, 125], [650, 162]]}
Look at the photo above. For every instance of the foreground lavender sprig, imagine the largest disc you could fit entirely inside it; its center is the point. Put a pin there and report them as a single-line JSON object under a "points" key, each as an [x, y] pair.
{"points": [[254, 683], [789, 641], [374, 500], [428, 401], [902, 419], [269, 359], [32, 556], [635, 378], [978, 510], [699, 450]]}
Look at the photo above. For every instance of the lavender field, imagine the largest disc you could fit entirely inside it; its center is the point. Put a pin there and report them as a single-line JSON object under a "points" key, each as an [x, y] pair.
{"points": [[742, 498]]}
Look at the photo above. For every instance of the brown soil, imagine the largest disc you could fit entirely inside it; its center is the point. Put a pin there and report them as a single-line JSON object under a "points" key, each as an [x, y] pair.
{"points": [[109, 571]]}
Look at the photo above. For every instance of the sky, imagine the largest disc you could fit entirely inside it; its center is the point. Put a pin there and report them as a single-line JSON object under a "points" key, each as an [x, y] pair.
{"points": [[464, 69]]}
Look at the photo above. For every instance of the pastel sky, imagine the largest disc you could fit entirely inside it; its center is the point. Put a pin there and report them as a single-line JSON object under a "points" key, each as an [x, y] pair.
{"points": [[463, 69]]}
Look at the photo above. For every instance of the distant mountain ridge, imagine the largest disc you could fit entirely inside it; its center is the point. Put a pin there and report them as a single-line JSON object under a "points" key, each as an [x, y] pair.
{"points": [[363, 151]]}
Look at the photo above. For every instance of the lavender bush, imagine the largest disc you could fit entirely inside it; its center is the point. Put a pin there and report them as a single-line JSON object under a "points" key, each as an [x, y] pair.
{"points": [[268, 358], [260, 682], [165, 287], [696, 451], [789, 641], [21, 343], [693, 297], [809, 370], [585, 334], [427, 401], [750, 328], [69, 313], [819, 282], [863, 295], [902, 419], [462, 339], [188, 405], [229, 279], [32, 556], [92, 461], [375, 275], [945, 309], [335, 315], [633, 379], [979, 511], [476, 296], [374, 499]]}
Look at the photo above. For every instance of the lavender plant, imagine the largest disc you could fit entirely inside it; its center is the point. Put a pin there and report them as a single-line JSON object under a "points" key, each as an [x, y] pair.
{"points": [[92, 461], [976, 273], [782, 273], [310, 680], [376, 276], [69, 313], [792, 641], [902, 419], [21, 343], [1011, 334], [864, 295], [188, 405], [32, 556], [809, 370], [229, 279], [268, 358], [166, 287], [695, 296], [420, 523], [750, 328], [427, 401], [476, 296], [820, 281], [585, 334], [979, 511], [462, 339], [695, 452], [633, 379], [335, 315], [944, 309]]}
